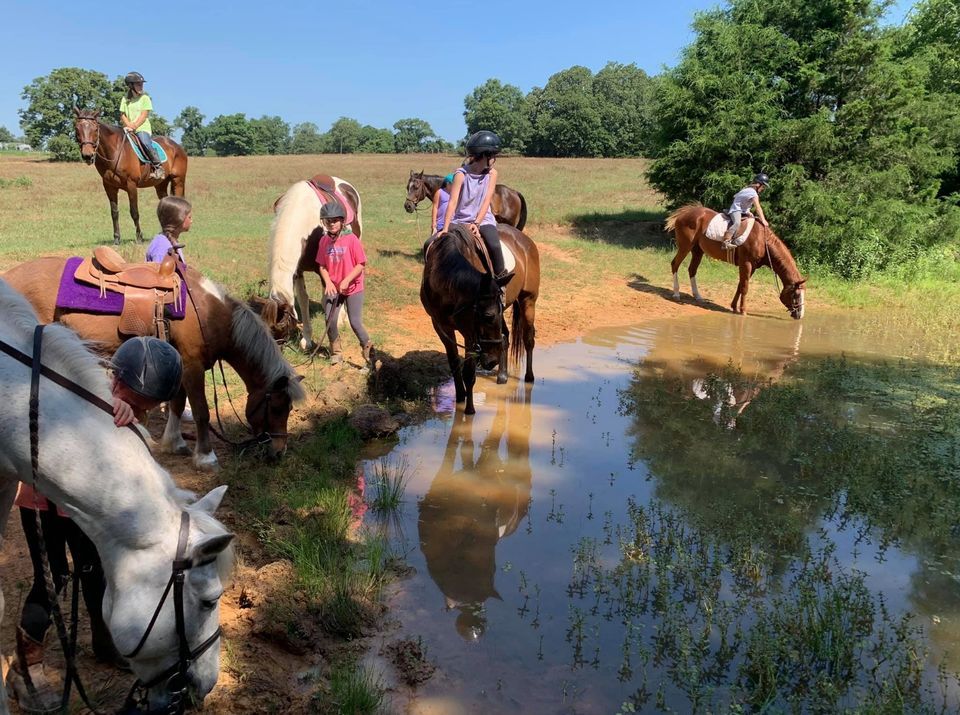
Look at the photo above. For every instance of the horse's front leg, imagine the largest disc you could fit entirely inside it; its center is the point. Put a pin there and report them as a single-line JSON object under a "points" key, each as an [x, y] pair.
{"points": [[204, 457], [469, 370], [303, 305], [172, 440], [502, 375], [529, 334], [134, 209], [746, 269], [113, 194], [453, 359]]}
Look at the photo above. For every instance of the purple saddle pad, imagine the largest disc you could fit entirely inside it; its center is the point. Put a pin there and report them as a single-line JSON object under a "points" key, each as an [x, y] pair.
{"points": [[85, 298]]}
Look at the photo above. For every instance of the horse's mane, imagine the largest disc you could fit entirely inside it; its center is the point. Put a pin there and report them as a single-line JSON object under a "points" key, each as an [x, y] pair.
{"points": [[251, 335], [62, 349], [297, 215], [451, 272], [779, 255]]}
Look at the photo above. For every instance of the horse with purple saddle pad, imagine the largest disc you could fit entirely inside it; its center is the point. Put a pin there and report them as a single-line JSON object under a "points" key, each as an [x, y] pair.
{"points": [[87, 286]]}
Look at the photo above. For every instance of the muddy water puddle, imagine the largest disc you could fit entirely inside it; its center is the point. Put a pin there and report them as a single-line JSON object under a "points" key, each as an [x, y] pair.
{"points": [[573, 552]]}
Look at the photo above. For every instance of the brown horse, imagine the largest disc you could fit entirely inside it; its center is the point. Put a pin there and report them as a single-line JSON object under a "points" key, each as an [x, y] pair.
{"points": [[508, 205], [106, 147], [460, 295], [762, 248], [216, 326]]}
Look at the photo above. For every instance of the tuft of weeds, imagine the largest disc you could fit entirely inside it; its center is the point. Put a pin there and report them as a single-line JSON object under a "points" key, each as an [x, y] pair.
{"points": [[353, 690], [389, 483]]}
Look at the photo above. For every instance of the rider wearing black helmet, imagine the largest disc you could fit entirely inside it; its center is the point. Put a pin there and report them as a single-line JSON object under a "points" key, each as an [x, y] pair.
{"points": [[743, 201], [471, 194], [146, 372], [135, 108]]}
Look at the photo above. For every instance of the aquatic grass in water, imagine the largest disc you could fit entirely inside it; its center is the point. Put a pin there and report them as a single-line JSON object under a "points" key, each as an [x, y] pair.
{"points": [[389, 483], [352, 691]]}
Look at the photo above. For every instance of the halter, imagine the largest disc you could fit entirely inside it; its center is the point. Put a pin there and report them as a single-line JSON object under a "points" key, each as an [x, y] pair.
{"points": [[96, 146], [176, 674]]}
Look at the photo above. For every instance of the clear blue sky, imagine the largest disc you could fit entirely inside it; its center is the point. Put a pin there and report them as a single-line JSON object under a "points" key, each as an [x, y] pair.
{"points": [[375, 61]]}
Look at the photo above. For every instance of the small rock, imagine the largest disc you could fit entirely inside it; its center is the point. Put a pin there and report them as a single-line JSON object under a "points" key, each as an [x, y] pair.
{"points": [[372, 421]]}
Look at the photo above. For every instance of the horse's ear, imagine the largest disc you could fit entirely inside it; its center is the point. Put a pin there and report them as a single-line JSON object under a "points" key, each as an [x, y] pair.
{"points": [[801, 282], [211, 500], [299, 378], [208, 549], [96, 114], [280, 383], [76, 110]]}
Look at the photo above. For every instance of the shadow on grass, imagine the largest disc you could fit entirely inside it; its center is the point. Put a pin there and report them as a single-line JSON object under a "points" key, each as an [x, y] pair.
{"points": [[408, 377], [642, 284], [415, 256], [634, 228]]}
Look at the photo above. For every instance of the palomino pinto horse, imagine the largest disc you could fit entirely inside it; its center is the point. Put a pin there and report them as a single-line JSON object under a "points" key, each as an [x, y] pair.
{"points": [[762, 248], [460, 295], [106, 481], [106, 147], [294, 239], [216, 326], [508, 205]]}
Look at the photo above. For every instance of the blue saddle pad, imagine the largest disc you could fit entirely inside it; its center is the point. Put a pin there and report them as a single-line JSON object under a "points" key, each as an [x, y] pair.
{"points": [[136, 147]]}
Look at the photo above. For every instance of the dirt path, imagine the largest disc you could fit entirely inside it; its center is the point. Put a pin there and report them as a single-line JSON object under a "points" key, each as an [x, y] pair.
{"points": [[261, 670]]}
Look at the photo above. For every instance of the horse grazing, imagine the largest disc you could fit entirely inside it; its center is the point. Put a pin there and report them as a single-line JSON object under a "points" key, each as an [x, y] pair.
{"points": [[508, 205], [460, 295], [105, 479], [294, 240], [106, 147], [762, 248], [216, 326]]}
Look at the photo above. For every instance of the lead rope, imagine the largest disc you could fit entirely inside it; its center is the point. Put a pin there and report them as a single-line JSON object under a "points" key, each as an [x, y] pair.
{"points": [[69, 646]]}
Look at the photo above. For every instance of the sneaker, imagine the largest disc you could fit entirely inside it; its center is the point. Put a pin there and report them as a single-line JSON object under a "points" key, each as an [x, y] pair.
{"points": [[158, 173], [728, 246]]}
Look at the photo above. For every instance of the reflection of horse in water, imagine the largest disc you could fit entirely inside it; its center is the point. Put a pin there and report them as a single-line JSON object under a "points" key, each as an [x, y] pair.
{"points": [[467, 511]]}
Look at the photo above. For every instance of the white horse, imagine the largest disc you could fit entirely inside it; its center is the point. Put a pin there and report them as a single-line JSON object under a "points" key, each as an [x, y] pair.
{"points": [[108, 483], [296, 222]]}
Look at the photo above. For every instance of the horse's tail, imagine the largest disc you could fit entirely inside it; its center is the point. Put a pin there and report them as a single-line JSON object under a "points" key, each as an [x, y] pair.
{"points": [[522, 221], [670, 226]]}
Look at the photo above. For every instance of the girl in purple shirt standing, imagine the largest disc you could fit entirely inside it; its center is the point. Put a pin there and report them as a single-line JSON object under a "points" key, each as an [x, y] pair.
{"points": [[470, 196], [176, 217]]}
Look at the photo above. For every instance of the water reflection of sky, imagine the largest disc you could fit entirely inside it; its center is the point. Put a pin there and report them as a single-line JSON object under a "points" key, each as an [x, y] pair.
{"points": [[497, 504]]}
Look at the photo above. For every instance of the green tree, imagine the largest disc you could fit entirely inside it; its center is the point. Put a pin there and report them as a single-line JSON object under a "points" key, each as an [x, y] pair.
{"points": [[500, 108], [566, 117], [816, 94], [194, 138], [231, 135], [271, 135], [411, 135], [63, 148], [625, 96], [343, 137], [161, 127], [6, 135], [375, 141], [51, 99], [306, 139]]}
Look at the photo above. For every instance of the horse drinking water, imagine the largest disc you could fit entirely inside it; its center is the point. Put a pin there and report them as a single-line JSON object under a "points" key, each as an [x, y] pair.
{"points": [[105, 479], [106, 147], [689, 225], [460, 295]]}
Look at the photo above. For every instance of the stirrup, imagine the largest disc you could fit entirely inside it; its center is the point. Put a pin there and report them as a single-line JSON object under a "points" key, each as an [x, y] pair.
{"points": [[504, 277]]}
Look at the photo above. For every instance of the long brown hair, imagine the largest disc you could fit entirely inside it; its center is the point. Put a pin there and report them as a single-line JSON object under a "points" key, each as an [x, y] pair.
{"points": [[172, 211]]}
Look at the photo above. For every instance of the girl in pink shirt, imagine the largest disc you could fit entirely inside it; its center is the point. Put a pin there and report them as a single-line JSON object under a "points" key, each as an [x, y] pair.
{"points": [[341, 260]]}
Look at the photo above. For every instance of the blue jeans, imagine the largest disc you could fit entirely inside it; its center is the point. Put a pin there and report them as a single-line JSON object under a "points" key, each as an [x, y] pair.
{"points": [[146, 142]]}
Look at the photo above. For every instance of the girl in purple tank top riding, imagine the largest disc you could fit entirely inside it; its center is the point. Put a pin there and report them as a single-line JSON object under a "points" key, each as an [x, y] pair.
{"points": [[441, 200], [471, 194]]}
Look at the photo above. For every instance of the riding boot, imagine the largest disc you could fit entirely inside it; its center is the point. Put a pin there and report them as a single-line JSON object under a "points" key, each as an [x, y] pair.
{"points": [[727, 238], [336, 352], [158, 173], [44, 698]]}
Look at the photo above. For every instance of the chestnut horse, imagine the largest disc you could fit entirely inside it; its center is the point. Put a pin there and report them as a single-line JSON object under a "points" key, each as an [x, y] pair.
{"points": [[294, 240], [460, 295], [106, 147], [508, 205], [216, 326], [762, 248]]}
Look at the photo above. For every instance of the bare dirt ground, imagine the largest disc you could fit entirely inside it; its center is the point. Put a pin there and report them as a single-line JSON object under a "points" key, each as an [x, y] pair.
{"points": [[263, 670]]}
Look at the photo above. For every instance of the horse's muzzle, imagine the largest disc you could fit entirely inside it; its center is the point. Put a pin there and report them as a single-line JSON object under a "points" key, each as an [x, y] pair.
{"points": [[408, 206]]}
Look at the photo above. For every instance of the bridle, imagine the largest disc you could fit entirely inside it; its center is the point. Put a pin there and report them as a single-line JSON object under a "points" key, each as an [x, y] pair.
{"points": [[420, 193], [96, 145], [177, 683], [176, 675]]}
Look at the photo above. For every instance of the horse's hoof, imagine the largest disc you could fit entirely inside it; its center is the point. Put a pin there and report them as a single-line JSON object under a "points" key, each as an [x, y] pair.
{"points": [[470, 410], [676, 296], [207, 462], [528, 377], [698, 298], [306, 346], [502, 379], [116, 240]]}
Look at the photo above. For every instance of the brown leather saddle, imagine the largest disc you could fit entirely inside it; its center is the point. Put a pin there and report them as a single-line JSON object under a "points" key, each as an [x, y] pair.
{"points": [[146, 288]]}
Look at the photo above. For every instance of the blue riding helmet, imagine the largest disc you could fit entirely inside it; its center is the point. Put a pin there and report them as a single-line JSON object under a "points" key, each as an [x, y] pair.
{"points": [[150, 367]]}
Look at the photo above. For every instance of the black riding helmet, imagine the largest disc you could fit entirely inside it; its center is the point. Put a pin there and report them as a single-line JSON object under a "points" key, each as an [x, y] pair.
{"points": [[763, 179], [483, 142], [332, 210], [133, 78], [150, 367]]}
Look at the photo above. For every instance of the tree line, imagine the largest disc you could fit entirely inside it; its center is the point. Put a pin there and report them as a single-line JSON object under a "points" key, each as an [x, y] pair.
{"points": [[47, 121]]}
